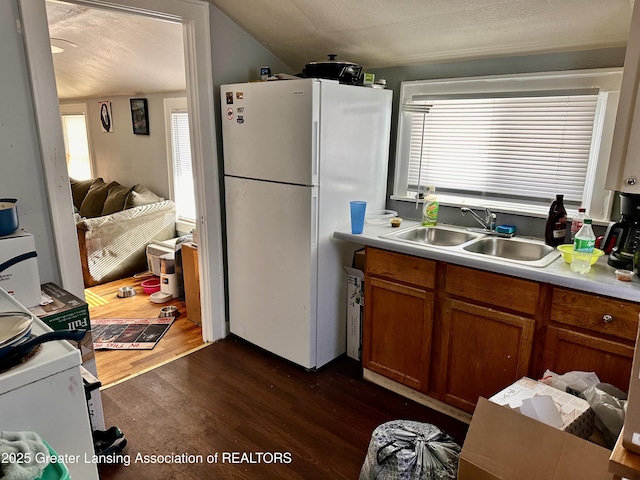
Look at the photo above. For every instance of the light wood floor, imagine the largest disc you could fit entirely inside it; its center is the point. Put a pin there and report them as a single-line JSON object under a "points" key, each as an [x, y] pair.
{"points": [[117, 365]]}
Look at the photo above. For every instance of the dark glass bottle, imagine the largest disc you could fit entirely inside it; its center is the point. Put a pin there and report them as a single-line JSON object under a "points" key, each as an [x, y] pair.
{"points": [[556, 228]]}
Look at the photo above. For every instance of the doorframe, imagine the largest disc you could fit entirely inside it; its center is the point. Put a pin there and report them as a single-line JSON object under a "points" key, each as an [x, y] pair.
{"points": [[194, 15]]}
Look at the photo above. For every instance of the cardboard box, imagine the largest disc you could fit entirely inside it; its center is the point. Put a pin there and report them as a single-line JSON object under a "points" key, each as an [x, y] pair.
{"points": [[574, 415], [502, 444], [191, 280], [19, 274], [355, 311], [631, 429], [355, 304], [65, 312]]}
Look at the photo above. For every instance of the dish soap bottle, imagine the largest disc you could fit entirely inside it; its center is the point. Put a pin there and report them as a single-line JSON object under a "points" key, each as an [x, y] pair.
{"points": [[430, 208], [556, 227], [583, 246]]}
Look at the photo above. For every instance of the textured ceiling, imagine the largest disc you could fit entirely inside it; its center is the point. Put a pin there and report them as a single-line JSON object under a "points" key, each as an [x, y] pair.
{"points": [[383, 33], [123, 54], [115, 53]]}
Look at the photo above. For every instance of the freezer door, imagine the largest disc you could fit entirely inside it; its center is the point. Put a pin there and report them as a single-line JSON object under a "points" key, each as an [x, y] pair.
{"points": [[270, 129], [271, 245]]}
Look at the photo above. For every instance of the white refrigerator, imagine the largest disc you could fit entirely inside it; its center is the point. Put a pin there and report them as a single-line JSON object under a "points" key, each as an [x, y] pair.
{"points": [[295, 153]]}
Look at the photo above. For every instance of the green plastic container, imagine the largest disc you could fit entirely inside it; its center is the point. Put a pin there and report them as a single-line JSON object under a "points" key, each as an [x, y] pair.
{"points": [[54, 471]]}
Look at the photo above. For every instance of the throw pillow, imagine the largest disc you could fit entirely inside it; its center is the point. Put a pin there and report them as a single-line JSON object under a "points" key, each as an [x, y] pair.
{"points": [[116, 198], [94, 201], [79, 189], [141, 195]]}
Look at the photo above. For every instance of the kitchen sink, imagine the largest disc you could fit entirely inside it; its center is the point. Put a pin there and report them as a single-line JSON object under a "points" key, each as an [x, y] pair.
{"points": [[435, 236], [524, 251], [521, 251]]}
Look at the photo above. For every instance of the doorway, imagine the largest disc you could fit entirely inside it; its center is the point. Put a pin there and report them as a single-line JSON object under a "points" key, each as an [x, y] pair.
{"points": [[194, 18]]}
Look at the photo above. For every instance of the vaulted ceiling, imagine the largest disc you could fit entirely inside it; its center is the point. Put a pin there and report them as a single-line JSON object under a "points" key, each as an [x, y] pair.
{"points": [[114, 53]]}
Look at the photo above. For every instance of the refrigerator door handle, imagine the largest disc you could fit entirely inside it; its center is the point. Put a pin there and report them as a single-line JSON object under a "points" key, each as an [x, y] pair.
{"points": [[316, 152], [314, 219]]}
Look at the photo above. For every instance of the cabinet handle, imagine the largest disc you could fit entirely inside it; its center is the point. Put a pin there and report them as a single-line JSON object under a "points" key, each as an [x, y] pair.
{"points": [[607, 318], [631, 181]]}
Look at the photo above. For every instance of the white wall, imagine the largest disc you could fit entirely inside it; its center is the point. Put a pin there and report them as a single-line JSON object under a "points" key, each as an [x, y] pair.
{"points": [[237, 58], [21, 172], [121, 155]]}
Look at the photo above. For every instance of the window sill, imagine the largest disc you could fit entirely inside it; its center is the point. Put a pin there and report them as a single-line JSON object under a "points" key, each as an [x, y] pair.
{"points": [[184, 226], [522, 209]]}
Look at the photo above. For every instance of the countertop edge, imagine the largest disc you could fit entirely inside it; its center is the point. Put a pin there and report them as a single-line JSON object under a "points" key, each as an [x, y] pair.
{"points": [[600, 280]]}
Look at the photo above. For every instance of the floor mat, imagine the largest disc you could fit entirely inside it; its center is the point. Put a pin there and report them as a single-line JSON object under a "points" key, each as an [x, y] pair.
{"points": [[128, 333]]}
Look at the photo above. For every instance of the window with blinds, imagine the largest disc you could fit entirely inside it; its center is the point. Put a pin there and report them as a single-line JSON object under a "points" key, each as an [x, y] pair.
{"points": [[183, 188], [520, 147], [509, 140]]}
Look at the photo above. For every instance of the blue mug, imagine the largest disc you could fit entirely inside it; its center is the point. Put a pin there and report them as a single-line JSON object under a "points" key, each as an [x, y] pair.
{"points": [[8, 216]]}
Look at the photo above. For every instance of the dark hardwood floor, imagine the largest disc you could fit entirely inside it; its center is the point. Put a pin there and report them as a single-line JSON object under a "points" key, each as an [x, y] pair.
{"points": [[230, 398]]}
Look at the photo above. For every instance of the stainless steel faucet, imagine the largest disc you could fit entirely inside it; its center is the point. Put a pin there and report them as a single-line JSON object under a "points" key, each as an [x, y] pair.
{"points": [[489, 222]]}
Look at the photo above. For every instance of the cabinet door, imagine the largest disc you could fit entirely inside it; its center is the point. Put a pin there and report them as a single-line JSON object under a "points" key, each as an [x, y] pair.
{"points": [[624, 169], [398, 324], [565, 351], [483, 351]]}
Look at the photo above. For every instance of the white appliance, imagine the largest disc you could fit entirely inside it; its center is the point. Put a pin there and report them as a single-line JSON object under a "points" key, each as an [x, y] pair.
{"points": [[154, 252], [295, 153], [45, 394]]}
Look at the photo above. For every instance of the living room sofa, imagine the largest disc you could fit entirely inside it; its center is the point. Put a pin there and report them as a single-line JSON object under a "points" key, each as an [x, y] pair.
{"points": [[114, 226]]}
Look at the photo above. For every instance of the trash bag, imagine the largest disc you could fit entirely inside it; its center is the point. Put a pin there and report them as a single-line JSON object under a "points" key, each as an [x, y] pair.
{"points": [[408, 450], [608, 403]]}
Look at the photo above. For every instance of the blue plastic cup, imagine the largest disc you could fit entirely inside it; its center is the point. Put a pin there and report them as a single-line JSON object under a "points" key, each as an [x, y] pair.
{"points": [[357, 215]]}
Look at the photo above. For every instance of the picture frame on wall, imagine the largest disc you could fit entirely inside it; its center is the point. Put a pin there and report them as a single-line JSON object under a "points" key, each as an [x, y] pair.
{"points": [[139, 116], [106, 122]]}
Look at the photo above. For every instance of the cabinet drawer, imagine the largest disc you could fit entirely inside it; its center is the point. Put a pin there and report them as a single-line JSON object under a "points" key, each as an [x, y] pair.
{"points": [[401, 268], [499, 290], [596, 313]]}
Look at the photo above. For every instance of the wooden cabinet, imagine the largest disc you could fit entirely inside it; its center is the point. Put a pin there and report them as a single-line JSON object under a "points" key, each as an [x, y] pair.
{"points": [[505, 293], [484, 348], [455, 333], [601, 315], [566, 350], [397, 332], [398, 317], [624, 164], [591, 333]]}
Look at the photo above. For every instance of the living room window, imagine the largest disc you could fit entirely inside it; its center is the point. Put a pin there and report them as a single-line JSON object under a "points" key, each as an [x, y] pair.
{"points": [[76, 140], [509, 142], [179, 155]]}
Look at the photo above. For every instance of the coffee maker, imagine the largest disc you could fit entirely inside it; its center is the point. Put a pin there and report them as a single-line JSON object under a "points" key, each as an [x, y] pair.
{"points": [[627, 229]]}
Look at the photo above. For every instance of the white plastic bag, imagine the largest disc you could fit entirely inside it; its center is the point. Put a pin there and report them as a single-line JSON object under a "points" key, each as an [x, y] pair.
{"points": [[575, 380]]}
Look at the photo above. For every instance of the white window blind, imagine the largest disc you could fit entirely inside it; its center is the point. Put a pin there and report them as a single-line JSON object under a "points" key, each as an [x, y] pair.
{"points": [[183, 189], [503, 145]]}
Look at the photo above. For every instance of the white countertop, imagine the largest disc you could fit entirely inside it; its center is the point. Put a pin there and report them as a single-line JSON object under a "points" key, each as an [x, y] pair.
{"points": [[601, 279]]}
